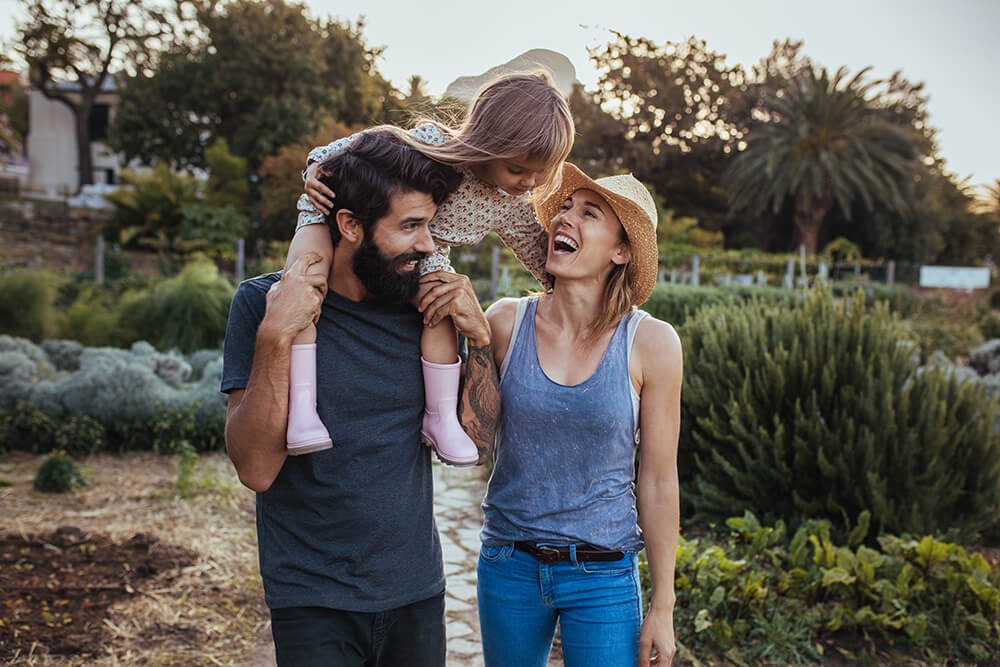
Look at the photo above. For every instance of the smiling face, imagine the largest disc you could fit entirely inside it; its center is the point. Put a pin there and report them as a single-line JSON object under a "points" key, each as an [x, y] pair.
{"points": [[515, 176], [386, 260], [586, 239]]}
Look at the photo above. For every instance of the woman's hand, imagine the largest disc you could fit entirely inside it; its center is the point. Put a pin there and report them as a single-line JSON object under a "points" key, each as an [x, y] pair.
{"points": [[657, 635], [319, 195]]}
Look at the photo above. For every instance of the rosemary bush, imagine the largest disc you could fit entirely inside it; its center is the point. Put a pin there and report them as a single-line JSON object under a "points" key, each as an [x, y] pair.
{"points": [[817, 410]]}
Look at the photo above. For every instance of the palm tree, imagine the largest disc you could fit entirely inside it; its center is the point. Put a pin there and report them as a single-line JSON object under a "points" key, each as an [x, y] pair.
{"points": [[822, 140], [993, 198]]}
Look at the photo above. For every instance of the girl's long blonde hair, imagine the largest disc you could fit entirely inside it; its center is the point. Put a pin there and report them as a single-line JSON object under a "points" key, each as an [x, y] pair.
{"points": [[514, 116]]}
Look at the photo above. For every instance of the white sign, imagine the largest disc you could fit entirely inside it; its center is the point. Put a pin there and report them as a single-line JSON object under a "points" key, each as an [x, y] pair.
{"points": [[955, 277]]}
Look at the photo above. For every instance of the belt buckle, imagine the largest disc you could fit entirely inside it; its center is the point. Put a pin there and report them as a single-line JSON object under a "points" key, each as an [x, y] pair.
{"points": [[549, 554]]}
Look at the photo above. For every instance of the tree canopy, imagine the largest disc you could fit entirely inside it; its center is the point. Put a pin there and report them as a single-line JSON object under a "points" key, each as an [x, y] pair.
{"points": [[259, 74], [822, 140], [83, 42], [680, 117]]}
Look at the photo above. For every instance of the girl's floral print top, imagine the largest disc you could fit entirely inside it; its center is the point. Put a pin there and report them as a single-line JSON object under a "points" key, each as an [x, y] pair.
{"points": [[473, 210]]}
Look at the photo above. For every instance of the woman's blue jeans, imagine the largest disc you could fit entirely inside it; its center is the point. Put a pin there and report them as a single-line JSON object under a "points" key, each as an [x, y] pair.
{"points": [[598, 606]]}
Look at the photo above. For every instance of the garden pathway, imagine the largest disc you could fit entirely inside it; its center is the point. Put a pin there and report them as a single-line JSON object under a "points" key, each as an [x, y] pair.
{"points": [[457, 495]]}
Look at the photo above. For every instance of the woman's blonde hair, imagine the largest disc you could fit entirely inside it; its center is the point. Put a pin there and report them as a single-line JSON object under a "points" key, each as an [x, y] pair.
{"points": [[619, 295], [514, 116]]}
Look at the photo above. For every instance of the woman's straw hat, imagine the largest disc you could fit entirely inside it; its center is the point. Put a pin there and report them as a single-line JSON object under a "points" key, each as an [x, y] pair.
{"points": [[634, 207]]}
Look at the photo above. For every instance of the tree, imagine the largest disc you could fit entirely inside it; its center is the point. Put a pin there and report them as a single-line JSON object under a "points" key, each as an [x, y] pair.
{"points": [[261, 74], [281, 181], [671, 102], [825, 140], [178, 214], [993, 197], [13, 117], [82, 42]]}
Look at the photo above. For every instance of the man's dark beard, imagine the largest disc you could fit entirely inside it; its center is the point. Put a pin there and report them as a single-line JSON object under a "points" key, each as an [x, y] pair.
{"points": [[379, 275]]}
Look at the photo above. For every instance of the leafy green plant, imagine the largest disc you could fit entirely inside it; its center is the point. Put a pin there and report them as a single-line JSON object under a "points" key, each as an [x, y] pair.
{"points": [[30, 429], [58, 473], [675, 303], [93, 319], [28, 303], [148, 211], [816, 409], [186, 465], [80, 435], [188, 311], [758, 593], [989, 325], [171, 428]]}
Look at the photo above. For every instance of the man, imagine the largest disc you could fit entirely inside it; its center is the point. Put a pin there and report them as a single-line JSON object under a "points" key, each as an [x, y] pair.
{"points": [[349, 552]]}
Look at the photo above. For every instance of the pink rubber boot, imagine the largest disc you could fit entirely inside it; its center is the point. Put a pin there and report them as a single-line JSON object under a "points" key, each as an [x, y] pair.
{"points": [[306, 432], [440, 424]]}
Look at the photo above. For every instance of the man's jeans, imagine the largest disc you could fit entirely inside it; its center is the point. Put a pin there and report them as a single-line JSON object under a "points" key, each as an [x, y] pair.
{"points": [[598, 606], [317, 637]]}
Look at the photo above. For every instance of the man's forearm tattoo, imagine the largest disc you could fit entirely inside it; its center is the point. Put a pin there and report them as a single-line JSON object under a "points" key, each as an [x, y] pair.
{"points": [[479, 409]]}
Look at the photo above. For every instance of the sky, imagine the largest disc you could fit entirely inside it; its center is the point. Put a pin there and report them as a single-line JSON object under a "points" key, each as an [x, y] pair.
{"points": [[950, 46]]}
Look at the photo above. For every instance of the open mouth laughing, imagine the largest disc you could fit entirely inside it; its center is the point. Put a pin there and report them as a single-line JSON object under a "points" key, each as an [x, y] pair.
{"points": [[563, 244]]}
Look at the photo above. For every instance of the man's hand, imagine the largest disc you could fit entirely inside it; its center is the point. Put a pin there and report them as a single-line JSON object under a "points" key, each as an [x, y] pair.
{"points": [[294, 302], [319, 195], [443, 294], [657, 634]]}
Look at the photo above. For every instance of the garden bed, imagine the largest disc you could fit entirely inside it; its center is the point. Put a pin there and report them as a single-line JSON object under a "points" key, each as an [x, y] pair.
{"points": [[129, 569]]}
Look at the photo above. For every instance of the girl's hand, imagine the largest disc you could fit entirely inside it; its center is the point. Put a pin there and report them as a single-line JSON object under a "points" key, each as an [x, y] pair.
{"points": [[319, 195], [657, 634]]}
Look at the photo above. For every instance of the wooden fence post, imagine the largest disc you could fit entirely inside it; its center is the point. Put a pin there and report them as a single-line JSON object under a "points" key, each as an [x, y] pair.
{"points": [[99, 260], [240, 259]]}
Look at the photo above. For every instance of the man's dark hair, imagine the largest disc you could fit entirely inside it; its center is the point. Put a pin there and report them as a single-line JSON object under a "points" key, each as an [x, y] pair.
{"points": [[375, 166]]}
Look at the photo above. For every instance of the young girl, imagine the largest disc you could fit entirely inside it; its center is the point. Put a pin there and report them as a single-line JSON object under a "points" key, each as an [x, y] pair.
{"points": [[514, 141]]}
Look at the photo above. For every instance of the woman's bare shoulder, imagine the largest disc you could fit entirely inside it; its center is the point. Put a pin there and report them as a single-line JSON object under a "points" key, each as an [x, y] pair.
{"points": [[657, 343], [501, 316]]}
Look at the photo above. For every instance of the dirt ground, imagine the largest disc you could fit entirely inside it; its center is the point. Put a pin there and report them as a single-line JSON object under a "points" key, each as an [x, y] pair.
{"points": [[128, 569]]}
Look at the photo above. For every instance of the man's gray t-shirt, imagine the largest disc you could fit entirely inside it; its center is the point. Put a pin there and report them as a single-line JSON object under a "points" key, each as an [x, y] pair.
{"points": [[350, 527]]}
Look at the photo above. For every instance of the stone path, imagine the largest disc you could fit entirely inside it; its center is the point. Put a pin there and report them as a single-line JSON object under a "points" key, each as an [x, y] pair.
{"points": [[458, 493]]}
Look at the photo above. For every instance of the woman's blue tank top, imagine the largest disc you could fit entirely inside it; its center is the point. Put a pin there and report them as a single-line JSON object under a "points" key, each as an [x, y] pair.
{"points": [[565, 460]]}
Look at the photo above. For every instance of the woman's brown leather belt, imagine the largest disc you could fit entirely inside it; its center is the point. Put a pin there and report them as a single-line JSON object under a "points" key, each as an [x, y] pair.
{"points": [[584, 553]]}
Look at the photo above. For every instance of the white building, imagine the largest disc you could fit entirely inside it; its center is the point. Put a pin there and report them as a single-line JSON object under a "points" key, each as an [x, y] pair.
{"points": [[52, 152]]}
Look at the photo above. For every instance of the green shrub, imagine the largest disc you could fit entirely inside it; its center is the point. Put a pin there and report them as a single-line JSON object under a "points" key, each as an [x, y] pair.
{"points": [[58, 473], [674, 303], [92, 319], [143, 398], [170, 429], [816, 410], [990, 325], [30, 429], [759, 593], [187, 312], [901, 299], [80, 435], [28, 303], [954, 338]]}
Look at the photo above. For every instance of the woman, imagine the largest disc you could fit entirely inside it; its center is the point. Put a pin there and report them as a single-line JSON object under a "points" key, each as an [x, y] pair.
{"points": [[582, 373]]}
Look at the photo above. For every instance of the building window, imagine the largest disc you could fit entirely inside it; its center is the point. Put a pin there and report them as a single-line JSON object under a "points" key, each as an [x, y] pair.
{"points": [[98, 122]]}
